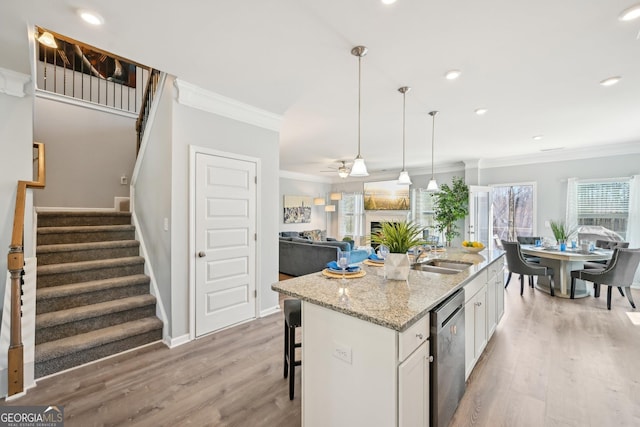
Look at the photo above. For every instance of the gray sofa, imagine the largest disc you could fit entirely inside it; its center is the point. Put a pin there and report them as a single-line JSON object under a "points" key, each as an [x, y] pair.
{"points": [[303, 256]]}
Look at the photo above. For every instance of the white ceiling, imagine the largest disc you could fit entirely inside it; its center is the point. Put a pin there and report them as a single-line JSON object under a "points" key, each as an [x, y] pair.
{"points": [[535, 65]]}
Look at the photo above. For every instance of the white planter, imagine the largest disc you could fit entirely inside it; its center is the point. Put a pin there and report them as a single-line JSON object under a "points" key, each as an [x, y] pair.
{"points": [[397, 266]]}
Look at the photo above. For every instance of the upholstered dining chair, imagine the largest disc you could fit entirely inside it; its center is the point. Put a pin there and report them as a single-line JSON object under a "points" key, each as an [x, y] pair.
{"points": [[605, 244], [619, 273], [517, 264]]}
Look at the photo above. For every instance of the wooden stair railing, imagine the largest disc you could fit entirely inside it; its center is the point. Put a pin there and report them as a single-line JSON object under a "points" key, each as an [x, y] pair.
{"points": [[147, 100], [15, 264]]}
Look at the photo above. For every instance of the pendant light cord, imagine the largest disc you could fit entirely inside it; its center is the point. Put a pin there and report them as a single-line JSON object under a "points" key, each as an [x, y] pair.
{"points": [[404, 114], [433, 136], [359, 98]]}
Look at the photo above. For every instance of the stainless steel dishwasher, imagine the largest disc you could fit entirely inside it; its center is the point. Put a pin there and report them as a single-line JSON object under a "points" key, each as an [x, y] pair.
{"points": [[447, 368]]}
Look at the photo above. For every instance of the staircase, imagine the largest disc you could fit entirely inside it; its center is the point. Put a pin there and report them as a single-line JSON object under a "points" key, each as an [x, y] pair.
{"points": [[92, 297]]}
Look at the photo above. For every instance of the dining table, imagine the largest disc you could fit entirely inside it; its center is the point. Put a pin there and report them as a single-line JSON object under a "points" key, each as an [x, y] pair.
{"points": [[563, 263]]}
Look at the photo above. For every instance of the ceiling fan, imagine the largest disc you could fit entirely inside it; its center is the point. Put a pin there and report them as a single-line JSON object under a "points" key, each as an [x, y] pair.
{"points": [[343, 169]]}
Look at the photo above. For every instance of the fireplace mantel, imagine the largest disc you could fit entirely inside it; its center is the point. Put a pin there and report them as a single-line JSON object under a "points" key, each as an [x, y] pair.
{"points": [[380, 216]]}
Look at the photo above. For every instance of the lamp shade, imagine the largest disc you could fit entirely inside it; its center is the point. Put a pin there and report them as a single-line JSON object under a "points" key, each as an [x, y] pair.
{"points": [[359, 168], [404, 178], [330, 208], [433, 186], [335, 196], [318, 201]]}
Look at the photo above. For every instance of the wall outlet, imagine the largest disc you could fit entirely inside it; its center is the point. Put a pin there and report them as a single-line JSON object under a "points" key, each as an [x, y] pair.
{"points": [[342, 352], [547, 224], [166, 224], [123, 180]]}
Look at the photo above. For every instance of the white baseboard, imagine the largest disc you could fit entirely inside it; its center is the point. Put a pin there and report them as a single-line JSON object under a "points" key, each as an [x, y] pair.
{"points": [[270, 311], [175, 342]]}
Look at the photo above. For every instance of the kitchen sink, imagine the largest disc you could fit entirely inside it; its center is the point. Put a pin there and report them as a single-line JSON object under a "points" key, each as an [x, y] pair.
{"points": [[442, 266]]}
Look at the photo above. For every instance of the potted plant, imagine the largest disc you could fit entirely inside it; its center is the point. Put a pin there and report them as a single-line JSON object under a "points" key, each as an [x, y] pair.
{"points": [[398, 237], [559, 232], [451, 204]]}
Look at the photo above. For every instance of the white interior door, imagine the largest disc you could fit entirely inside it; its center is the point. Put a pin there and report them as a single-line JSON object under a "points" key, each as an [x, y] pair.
{"points": [[225, 218], [479, 222]]}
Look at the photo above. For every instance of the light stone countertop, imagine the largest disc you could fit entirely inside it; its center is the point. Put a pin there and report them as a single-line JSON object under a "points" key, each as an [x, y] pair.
{"points": [[390, 303]]}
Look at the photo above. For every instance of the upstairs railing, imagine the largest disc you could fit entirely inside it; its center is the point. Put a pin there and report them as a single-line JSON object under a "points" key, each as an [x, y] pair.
{"points": [[15, 264], [77, 71], [147, 100]]}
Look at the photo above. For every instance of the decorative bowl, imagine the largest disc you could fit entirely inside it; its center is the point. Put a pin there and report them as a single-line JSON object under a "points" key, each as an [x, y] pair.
{"points": [[472, 250]]}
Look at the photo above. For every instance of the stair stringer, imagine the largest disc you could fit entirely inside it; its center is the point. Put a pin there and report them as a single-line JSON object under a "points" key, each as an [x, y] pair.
{"points": [[153, 284]]}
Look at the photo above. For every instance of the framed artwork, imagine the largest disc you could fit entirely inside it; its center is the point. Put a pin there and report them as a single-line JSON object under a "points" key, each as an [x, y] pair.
{"points": [[297, 209], [386, 195]]}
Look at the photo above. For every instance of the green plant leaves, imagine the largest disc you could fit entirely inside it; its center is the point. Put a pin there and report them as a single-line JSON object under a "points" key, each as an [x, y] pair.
{"points": [[399, 237]]}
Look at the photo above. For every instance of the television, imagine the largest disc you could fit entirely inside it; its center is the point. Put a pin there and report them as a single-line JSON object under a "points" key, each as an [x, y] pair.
{"points": [[386, 195]]}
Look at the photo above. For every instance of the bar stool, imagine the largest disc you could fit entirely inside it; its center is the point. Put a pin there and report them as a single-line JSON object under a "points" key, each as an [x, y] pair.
{"points": [[292, 320]]}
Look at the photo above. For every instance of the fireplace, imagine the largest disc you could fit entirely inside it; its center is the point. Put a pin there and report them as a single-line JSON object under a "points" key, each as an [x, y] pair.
{"points": [[374, 218]]}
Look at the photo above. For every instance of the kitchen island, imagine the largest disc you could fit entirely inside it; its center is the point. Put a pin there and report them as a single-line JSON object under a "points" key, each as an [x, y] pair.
{"points": [[365, 340]]}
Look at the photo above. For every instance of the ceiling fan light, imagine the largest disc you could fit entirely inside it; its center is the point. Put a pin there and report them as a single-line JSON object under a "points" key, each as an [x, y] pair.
{"points": [[359, 168], [47, 39], [335, 196], [343, 172], [433, 186], [318, 201]]}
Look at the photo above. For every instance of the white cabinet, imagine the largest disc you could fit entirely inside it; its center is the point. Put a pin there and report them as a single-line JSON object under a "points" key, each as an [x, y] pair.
{"points": [[475, 320], [495, 295], [413, 393]]}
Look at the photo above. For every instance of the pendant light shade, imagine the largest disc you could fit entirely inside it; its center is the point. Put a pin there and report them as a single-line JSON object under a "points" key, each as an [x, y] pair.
{"points": [[335, 196], [359, 168], [404, 178], [318, 201], [433, 185], [330, 208]]}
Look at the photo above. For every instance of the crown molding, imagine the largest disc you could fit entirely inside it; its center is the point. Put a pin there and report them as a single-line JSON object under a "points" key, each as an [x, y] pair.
{"points": [[205, 100], [304, 177], [563, 155], [12, 83]]}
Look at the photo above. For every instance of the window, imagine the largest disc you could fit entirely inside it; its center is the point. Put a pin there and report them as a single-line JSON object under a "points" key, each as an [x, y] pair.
{"points": [[513, 211], [351, 216], [422, 209], [602, 203]]}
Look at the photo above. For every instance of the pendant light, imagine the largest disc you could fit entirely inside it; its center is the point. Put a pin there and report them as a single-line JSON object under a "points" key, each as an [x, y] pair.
{"points": [[359, 168], [404, 178], [433, 185]]}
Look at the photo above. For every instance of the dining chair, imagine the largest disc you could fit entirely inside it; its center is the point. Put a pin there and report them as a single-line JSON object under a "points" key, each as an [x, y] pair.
{"points": [[604, 244], [619, 273], [517, 264]]}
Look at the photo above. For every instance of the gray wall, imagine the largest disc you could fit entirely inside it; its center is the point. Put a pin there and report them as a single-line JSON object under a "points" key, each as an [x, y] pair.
{"points": [[202, 129], [297, 187], [87, 152], [551, 180], [152, 197], [16, 140]]}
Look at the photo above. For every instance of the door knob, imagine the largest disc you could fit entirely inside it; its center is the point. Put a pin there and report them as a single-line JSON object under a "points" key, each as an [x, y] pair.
{"points": [[201, 254]]}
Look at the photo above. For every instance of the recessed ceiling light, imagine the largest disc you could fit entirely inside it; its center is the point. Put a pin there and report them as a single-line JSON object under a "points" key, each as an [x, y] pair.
{"points": [[610, 81], [630, 14], [388, 1], [452, 74], [481, 111], [91, 17], [537, 137]]}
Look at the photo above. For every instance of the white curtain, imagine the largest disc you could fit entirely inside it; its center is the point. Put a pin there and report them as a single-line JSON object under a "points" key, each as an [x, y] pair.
{"points": [[633, 225], [571, 219]]}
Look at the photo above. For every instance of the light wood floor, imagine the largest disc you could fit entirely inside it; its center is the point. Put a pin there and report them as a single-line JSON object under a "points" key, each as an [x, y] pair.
{"points": [[551, 362]]}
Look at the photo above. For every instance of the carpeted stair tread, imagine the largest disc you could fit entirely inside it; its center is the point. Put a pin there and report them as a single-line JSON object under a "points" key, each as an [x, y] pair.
{"points": [[85, 229], [88, 265], [76, 252], [91, 286], [78, 343], [55, 318], [62, 218], [70, 247]]}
